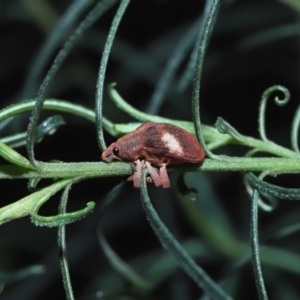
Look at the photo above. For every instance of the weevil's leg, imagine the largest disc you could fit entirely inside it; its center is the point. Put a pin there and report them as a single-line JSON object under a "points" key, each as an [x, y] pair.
{"points": [[136, 176], [149, 179], [164, 177], [138, 173], [130, 178], [154, 175]]}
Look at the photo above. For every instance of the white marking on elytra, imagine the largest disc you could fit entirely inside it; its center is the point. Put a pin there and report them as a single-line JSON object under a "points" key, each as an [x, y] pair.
{"points": [[172, 143]]}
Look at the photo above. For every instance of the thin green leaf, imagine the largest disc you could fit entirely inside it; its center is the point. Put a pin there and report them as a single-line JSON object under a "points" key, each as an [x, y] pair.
{"points": [[4, 123], [88, 21], [285, 232], [121, 266], [62, 28], [60, 219], [274, 190], [14, 157], [112, 195], [162, 265], [15, 140], [187, 75], [24, 206], [57, 105], [257, 145], [255, 248], [122, 104], [51, 104], [209, 20], [22, 274], [47, 127], [295, 130], [173, 246], [61, 241], [101, 74], [263, 205], [209, 219], [115, 261], [285, 260], [270, 35], [173, 64], [294, 4]]}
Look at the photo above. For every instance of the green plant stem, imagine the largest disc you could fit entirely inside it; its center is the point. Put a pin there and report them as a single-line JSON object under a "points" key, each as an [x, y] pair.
{"points": [[70, 171], [101, 169], [290, 165], [67, 170]]}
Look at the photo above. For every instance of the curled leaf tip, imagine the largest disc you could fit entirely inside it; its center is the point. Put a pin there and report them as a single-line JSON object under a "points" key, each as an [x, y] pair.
{"points": [[285, 93], [112, 86], [61, 219], [220, 125], [263, 103], [48, 127], [184, 190], [225, 128]]}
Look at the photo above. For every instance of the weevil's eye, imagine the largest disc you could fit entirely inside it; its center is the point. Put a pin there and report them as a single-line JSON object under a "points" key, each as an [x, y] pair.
{"points": [[116, 151]]}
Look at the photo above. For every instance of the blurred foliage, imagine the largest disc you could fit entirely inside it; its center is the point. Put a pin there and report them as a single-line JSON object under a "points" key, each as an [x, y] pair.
{"points": [[255, 44]]}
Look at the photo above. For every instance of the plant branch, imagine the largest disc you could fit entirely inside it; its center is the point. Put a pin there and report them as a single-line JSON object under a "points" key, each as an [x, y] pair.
{"points": [[101, 169]]}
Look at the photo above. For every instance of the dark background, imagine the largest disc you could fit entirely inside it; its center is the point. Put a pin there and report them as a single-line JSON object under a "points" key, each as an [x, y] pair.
{"points": [[248, 53]]}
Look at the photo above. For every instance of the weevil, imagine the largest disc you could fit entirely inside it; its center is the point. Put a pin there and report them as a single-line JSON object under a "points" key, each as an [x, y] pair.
{"points": [[157, 144]]}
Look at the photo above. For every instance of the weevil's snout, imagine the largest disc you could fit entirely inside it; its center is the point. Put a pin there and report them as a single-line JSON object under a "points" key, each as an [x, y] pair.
{"points": [[107, 155]]}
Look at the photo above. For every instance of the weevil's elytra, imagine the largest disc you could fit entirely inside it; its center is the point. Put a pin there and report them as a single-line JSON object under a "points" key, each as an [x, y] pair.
{"points": [[171, 143], [160, 145]]}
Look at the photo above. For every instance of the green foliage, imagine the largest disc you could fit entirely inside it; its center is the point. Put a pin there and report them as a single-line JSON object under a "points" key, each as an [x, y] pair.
{"points": [[196, 201]]}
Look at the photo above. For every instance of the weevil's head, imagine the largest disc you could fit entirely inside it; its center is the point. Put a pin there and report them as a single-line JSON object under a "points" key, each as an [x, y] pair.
{"points": [[111, 153]]}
